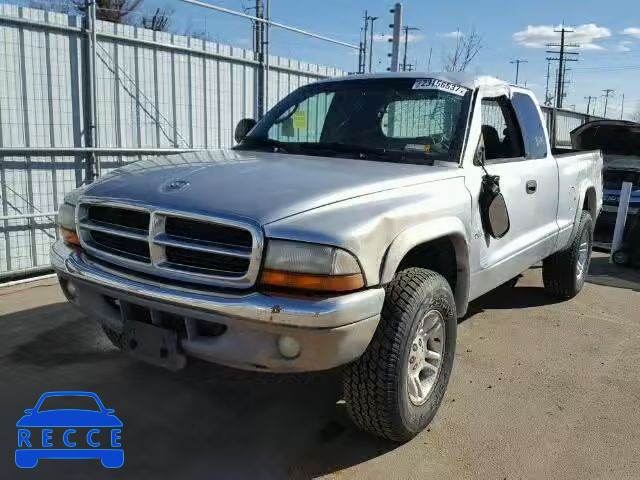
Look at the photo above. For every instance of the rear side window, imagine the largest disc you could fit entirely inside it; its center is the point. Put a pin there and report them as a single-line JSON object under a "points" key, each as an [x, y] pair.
{"points": [[535, 143]]}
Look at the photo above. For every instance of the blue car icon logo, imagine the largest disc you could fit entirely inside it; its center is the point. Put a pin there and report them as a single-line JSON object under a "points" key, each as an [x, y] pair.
{"points": [[87, 431]]}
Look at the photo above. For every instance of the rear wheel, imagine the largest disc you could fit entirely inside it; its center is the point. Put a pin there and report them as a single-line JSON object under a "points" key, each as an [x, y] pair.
{"points": [[395, 388], [564, 273]]}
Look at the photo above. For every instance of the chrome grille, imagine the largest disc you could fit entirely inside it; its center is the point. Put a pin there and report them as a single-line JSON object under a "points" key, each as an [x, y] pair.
{"points": [[173, 244]]}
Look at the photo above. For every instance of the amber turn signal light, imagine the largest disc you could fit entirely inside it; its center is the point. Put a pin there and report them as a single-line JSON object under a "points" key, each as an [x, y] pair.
{"points": [[318, 283], [69, 237]]}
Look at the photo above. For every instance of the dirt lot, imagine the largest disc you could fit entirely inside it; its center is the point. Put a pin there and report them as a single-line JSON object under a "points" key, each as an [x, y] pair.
{"points": [[540, 390]]}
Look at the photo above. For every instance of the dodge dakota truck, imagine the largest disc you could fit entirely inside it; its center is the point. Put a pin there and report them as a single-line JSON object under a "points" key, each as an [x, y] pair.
{"points": [[351, 226]]}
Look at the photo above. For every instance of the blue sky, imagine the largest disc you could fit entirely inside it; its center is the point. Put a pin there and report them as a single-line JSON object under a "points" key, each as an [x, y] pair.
{"points": [[609, 33]]}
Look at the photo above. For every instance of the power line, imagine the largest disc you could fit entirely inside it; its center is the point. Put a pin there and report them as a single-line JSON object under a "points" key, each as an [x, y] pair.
{"points": [[517, 63]]}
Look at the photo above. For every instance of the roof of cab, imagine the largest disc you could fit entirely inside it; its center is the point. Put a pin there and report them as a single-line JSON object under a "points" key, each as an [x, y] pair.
{"points": [[458, 78]]}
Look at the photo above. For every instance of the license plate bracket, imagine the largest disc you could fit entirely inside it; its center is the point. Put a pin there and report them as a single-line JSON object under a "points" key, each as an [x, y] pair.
{"points": [[153, 344]]}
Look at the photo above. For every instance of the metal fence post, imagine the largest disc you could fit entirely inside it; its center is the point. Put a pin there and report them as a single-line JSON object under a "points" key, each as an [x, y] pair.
{"points": [[90, 101]]}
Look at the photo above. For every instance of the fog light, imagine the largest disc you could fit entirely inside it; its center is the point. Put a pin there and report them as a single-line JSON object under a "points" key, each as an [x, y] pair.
{"points": [[289, 347], [71, 289]]}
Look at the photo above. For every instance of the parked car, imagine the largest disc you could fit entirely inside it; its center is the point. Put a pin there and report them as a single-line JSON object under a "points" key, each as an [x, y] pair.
{"points": [[619, 141], [352, 225]]}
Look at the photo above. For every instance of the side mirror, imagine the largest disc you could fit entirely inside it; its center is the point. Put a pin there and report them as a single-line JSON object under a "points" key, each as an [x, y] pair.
{"points": [[498, 217], [29, 411], [493, 208], [244, 126], [109, 411]]}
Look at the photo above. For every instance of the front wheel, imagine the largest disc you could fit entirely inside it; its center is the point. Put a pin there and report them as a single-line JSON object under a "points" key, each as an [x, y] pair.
{"points": [[395, 388]]}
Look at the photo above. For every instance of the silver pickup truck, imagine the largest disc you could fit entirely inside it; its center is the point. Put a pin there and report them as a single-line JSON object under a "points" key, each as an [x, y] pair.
{"points": [[351, 226]]}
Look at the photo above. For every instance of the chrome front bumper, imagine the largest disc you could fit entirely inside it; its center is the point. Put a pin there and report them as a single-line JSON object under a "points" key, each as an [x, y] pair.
{"points": [[330, 331]]}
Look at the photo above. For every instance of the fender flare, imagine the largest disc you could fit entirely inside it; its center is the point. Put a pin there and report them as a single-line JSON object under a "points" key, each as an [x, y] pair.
{"points": [[447, 227], [585, 187]]}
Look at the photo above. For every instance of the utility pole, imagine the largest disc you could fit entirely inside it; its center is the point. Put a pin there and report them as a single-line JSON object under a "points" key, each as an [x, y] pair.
{"points": [[562, 58], [258, 48], [407, 29], [429, 62], [607, 94], [622, 108], [362, 67], [371, 19], [395, 39], [588, 99], [517, 63], [547, 99]]}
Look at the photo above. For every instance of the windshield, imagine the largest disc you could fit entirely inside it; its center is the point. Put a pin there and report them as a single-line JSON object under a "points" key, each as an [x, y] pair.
{"points": [[405, 120]]}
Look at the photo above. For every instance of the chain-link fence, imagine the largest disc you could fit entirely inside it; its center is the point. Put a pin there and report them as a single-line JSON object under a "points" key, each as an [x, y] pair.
{"points": [[74, 104]]}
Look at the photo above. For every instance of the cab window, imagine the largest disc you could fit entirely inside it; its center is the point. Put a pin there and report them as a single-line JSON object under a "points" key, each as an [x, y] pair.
{"points": [[500, 130]]}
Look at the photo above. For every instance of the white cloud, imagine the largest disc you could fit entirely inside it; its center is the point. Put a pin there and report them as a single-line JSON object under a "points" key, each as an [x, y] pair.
{"points": [[538, 36], [412, 38], [632, 32], [624, 46], [455, 34]]}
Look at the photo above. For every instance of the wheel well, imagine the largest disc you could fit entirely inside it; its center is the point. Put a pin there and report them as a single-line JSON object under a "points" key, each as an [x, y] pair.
{"points": [[589, 204], [438, 255]]}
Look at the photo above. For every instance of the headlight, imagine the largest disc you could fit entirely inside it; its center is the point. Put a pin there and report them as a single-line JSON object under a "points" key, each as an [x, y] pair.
{"points": [[308, 266], [67, 218]]}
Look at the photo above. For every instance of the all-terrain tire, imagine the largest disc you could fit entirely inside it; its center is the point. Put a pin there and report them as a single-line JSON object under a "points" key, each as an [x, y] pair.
{"points": [[560, 270], [117, 339], [375, 386]]}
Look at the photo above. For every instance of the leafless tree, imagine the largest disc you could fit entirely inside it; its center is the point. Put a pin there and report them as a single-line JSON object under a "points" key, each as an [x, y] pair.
{"points": [[467, 47], [160, 21], [118, 11], [636, 115]]}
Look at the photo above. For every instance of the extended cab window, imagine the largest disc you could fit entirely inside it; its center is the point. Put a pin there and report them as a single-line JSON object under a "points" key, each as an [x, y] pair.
{"points": [[500, 130], [535, 140]]}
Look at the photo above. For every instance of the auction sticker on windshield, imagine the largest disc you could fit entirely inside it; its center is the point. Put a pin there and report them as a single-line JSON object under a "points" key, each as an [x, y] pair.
{"points": [[435, 84]]}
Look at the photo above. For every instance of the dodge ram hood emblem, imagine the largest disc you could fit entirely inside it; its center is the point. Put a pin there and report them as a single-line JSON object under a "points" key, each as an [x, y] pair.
{"points": [[173, 185]]}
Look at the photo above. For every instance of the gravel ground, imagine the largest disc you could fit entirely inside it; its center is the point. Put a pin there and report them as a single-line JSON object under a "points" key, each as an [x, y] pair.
{"points": [[540, 390]]}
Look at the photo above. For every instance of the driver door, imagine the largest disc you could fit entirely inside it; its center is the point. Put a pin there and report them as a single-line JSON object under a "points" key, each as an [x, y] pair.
{"points": [[529, 184]]}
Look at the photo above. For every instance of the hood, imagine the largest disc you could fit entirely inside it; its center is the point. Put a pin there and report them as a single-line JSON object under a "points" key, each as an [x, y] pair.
{"points": [[622, 162], [613, 137], [260, 186], [69, 418]]}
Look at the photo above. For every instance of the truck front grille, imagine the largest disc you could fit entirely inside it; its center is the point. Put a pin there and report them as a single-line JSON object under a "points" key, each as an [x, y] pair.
{"points": [[118, 217], [125, 247], [204, 250], [182, 257]]}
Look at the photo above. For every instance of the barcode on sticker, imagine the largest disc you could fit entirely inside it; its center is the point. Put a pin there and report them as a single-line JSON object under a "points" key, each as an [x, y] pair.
{"points": [[435, 84]]}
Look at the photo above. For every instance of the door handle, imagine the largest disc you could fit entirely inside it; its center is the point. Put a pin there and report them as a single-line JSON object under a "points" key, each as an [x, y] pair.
{"points": [[532, 186]]}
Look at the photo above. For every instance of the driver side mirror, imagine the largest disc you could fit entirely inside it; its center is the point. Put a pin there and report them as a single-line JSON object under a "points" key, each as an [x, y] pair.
{"points": [[493, 208], [243, 128]]}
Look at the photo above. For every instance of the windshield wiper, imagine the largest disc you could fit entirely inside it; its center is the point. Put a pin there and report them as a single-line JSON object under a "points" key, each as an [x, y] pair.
{"points": [[258, 142], [364, 152]]}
